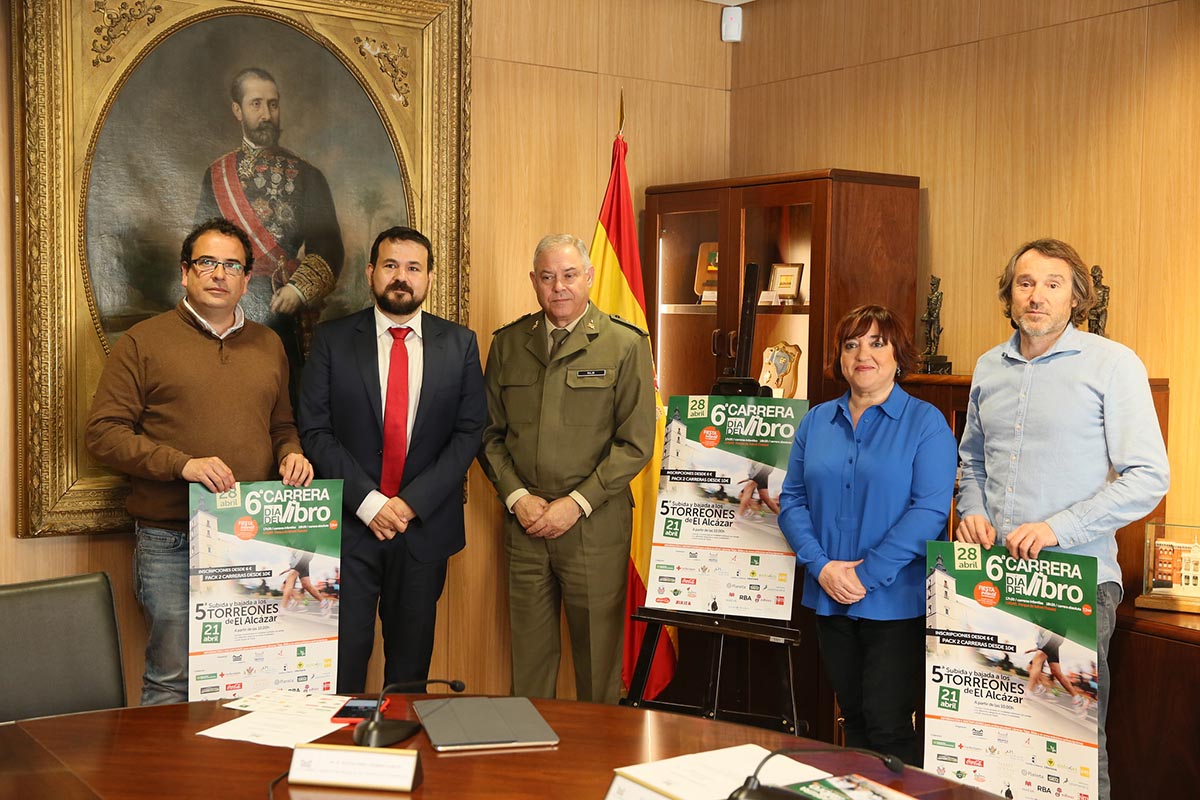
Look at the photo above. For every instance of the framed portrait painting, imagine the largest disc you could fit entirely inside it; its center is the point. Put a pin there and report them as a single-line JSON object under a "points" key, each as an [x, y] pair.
{"points": [[135, 121]]}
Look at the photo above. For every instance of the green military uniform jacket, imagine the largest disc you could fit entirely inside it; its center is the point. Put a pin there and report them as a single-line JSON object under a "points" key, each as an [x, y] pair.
{"points": [[584, 422]]}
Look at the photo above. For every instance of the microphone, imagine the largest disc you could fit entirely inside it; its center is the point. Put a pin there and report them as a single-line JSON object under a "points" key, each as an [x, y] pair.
{"points": [[380, 732], [753, 790]]}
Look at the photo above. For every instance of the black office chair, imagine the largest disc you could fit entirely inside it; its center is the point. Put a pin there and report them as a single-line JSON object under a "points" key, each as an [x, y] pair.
{"points": [[60, 650]]}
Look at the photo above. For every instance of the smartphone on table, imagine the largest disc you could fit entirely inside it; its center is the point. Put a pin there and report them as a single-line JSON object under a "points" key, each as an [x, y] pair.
{"points": [[357, 709]]}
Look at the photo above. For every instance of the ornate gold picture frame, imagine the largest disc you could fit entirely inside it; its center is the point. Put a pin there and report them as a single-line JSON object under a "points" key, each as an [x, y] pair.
{"points": [[110, 146]]}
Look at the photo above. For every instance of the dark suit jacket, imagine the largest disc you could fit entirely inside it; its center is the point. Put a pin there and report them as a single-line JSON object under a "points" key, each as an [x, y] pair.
{"points": [[341, 426]]}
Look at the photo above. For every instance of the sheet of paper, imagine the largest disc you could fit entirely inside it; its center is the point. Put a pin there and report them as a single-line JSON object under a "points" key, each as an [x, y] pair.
{"points": [[716, 773], [273, 729], [282, 701]]}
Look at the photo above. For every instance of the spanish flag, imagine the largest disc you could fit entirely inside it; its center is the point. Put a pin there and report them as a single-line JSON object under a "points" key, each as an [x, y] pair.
{"points": [[618, 290]]}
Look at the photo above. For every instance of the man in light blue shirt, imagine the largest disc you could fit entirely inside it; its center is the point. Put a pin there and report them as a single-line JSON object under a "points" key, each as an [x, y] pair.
{"points": [[1062, 445]]}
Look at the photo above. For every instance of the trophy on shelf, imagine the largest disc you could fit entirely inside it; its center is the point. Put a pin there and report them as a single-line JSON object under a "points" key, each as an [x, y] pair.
{"points": [[706, 273], [780, 372], [931, 362]]}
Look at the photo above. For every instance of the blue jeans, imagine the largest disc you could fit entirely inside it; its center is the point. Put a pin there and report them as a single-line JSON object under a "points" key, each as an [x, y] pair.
{"points": [[160, 575], [1108, 597]]}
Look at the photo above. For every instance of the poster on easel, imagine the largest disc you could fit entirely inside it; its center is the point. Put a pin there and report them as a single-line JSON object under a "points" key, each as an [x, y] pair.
{"points": [[1011, 680], [264, 586], [717, 547]]}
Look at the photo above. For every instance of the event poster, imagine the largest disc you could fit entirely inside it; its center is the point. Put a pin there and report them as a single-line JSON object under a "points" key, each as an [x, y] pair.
{"points": [[1011, 690], [717, 546], [265, 572]]}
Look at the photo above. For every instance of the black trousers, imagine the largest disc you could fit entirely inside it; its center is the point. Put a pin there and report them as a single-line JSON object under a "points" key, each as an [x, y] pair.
{"points": [[384, 577], [877, 668]]}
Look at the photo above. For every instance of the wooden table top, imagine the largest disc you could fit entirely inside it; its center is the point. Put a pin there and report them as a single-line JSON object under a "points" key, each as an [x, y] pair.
{"points": [[153, 752]]}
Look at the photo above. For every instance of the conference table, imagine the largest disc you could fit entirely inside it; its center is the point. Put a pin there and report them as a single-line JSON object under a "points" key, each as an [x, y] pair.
{"points": [[154, 752]]}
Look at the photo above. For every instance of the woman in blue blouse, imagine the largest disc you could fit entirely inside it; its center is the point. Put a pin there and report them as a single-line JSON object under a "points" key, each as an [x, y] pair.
{"points": [[869, 482]]}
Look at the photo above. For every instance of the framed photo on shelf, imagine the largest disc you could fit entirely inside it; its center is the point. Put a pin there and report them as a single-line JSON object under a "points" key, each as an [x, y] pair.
{"points": [[706, 272], [785, 281]]}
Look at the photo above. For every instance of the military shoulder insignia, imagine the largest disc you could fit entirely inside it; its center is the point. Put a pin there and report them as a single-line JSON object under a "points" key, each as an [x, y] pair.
{"points": [[629, 324], [514, 322]]}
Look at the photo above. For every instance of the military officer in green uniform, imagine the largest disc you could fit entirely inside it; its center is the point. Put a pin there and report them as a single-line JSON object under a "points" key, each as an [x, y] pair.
{"points": [[571, 422]]}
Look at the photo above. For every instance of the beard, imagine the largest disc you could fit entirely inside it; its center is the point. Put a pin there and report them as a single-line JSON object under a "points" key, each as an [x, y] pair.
{"points": [[400, 305], [1048, 324], [265, 134]]}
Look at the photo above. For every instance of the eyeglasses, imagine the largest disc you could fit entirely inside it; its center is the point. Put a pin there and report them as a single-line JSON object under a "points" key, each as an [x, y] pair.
{"points": [[206, 266]]}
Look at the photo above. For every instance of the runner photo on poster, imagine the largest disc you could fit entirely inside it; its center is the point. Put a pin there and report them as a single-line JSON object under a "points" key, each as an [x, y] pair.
{"points": [[264, 583], [1011, 690], [717, 546]]}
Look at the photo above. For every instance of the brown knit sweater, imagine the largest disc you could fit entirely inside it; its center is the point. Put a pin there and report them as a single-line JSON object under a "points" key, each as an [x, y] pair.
{"points": [[171, 391]]}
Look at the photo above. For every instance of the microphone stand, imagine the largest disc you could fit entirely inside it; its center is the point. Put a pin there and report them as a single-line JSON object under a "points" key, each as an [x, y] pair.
{"points": [[380, 732], [753, 790]]}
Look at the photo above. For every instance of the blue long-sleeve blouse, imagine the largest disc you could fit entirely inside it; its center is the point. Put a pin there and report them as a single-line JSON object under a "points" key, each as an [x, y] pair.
{"points": [[877, 492]]}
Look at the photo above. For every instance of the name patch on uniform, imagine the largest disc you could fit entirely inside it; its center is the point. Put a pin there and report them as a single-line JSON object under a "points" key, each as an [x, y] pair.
{"points": [[592, 373]]}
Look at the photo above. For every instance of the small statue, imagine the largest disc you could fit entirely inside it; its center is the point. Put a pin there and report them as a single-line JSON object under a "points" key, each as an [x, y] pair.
{"points": [[933, 316], [931, 362], [1098, 316]]}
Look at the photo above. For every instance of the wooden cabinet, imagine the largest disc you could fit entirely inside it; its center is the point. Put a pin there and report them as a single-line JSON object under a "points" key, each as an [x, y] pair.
{"points": [[854, 232]]}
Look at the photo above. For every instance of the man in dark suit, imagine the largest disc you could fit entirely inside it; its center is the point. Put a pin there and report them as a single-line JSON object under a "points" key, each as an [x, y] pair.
{"points": [[392, 402]]}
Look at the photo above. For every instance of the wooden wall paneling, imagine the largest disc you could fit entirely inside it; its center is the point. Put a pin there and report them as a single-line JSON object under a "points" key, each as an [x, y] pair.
{"points": [[788, 39], [868, 31], [552, 33], [1059, 153], [788, 126], [1168, 282], [791, 38], [534, 166], [675, 134], [684, 46], [1003, 17], [946, 107], [778, 41], [946, 23]]}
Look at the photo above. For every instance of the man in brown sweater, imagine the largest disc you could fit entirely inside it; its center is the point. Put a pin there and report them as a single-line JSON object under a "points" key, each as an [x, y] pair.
{"points": [[196, 394]]}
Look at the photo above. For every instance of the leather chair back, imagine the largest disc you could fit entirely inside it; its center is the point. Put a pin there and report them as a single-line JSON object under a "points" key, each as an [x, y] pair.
{"points": [[60, 651]]}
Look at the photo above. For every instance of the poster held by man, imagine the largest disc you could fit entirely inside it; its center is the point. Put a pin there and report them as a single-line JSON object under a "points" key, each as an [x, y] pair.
{"points": [[265, 588], [1011, 688]]}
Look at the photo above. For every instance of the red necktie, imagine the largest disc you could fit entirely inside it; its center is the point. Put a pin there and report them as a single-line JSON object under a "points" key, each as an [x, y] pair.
{"points": [[395, 415]]}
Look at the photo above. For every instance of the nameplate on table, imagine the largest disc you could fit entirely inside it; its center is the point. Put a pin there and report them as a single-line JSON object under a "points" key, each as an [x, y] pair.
{"points": [[356, 767]]}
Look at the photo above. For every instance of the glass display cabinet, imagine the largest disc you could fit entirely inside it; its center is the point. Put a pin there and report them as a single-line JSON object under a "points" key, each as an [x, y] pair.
{"points": [[825, 241]]}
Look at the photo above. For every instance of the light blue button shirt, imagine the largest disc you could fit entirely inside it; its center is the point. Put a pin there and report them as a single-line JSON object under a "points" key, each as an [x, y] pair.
{"points": [[879, 491], [1069, 438]]}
